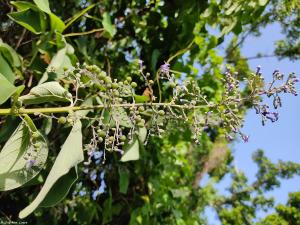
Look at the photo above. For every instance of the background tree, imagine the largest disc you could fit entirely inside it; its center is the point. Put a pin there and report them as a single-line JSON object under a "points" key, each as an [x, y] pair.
{"points": [[162, 185]]}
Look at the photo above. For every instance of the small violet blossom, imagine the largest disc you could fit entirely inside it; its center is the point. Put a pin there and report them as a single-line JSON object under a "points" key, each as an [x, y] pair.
{"points": [[165, 68], [119, 150], [230, 137], [31, 164], [246, 138], [140, 62]]}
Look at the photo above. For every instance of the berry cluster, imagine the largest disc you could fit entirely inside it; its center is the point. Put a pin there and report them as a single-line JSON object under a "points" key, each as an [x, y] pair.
{"points": [[122, 117]]}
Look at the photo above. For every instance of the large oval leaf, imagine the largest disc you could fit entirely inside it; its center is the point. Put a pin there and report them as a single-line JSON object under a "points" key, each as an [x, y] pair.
{"points": [[7, 89], [29, 19], [62, 174], [46, 92], [13, 172]]}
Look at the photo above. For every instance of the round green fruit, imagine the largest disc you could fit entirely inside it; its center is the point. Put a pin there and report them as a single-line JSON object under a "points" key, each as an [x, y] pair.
{"points": [[141, 109], [62, 120], [133, 84], [114, 86], [21, 110], [35, 135], [161, 112], [37, 145]]}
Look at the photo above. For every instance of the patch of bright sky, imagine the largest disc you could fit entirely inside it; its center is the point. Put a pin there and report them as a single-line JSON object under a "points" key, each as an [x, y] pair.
{"points": [[279, 140]]}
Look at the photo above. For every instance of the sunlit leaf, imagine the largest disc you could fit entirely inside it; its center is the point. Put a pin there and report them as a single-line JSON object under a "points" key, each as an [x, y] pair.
{"points": [[106, 22], [12, 162], [63, 173], [47, 92]]}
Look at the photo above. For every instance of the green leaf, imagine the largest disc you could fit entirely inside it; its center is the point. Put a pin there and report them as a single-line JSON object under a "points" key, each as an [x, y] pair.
{"points": [[47, 125], [179, 193], [63, 172], [25, 5], [10, 54], [107, 23], [12, 163], [46, 92], [80, 14], [131, 152], [154, 58], [141, 98], [124, 181], [9, 127], [213, 41], [263, 2], [60, 188], [29, 19], [7, 89], [56, 23], [227, 29], [87, 102], [142, 134], [6, 70], [59, 60]]}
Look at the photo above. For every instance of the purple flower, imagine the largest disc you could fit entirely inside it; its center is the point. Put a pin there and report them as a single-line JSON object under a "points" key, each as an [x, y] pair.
{"points": [[198, 143], [145, 143], [276, 71], [230, 137], [204, 128], [209, 112], [129, 137], [276, 115], [257, 112], [184, 87], [237, 100], [182, 100], [284, 87], [295, 93], [235, 74], [156, 117], [206, 122], [228, 68], [234, 130], [140, 62], [231, 86], [120, 135], [165, 68], [31, 164], [272, 119], [293, 72], [119, 150], [258, 69], [128, 122], [296, 80], [182, 130], [266, 112], [246, 138], [91, 153]]}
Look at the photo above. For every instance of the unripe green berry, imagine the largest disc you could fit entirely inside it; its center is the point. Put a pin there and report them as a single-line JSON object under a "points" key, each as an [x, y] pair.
{"points": [[133, 84], [65, 68], [21, 110], [141, 125], [94, 67], [141, 109], [151, 82], [100, 139], [102, 75], [62, 120], [172, 85], [101, 133], [125, 82], [107, 80], [116, 93], [97, 70], [35, 135], [120, 83], [37, 145], [114, 86], [129, 79], [78, 75], [108, 85], [18, 104], [161, 112], [123, 138]]}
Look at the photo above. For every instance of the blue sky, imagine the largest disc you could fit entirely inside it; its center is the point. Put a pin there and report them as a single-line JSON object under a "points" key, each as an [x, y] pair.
{"points": [[279, 140]]}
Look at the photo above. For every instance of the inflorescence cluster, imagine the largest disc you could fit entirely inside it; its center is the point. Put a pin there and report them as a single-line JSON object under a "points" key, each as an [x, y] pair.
{"points": [[122, 117]]}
